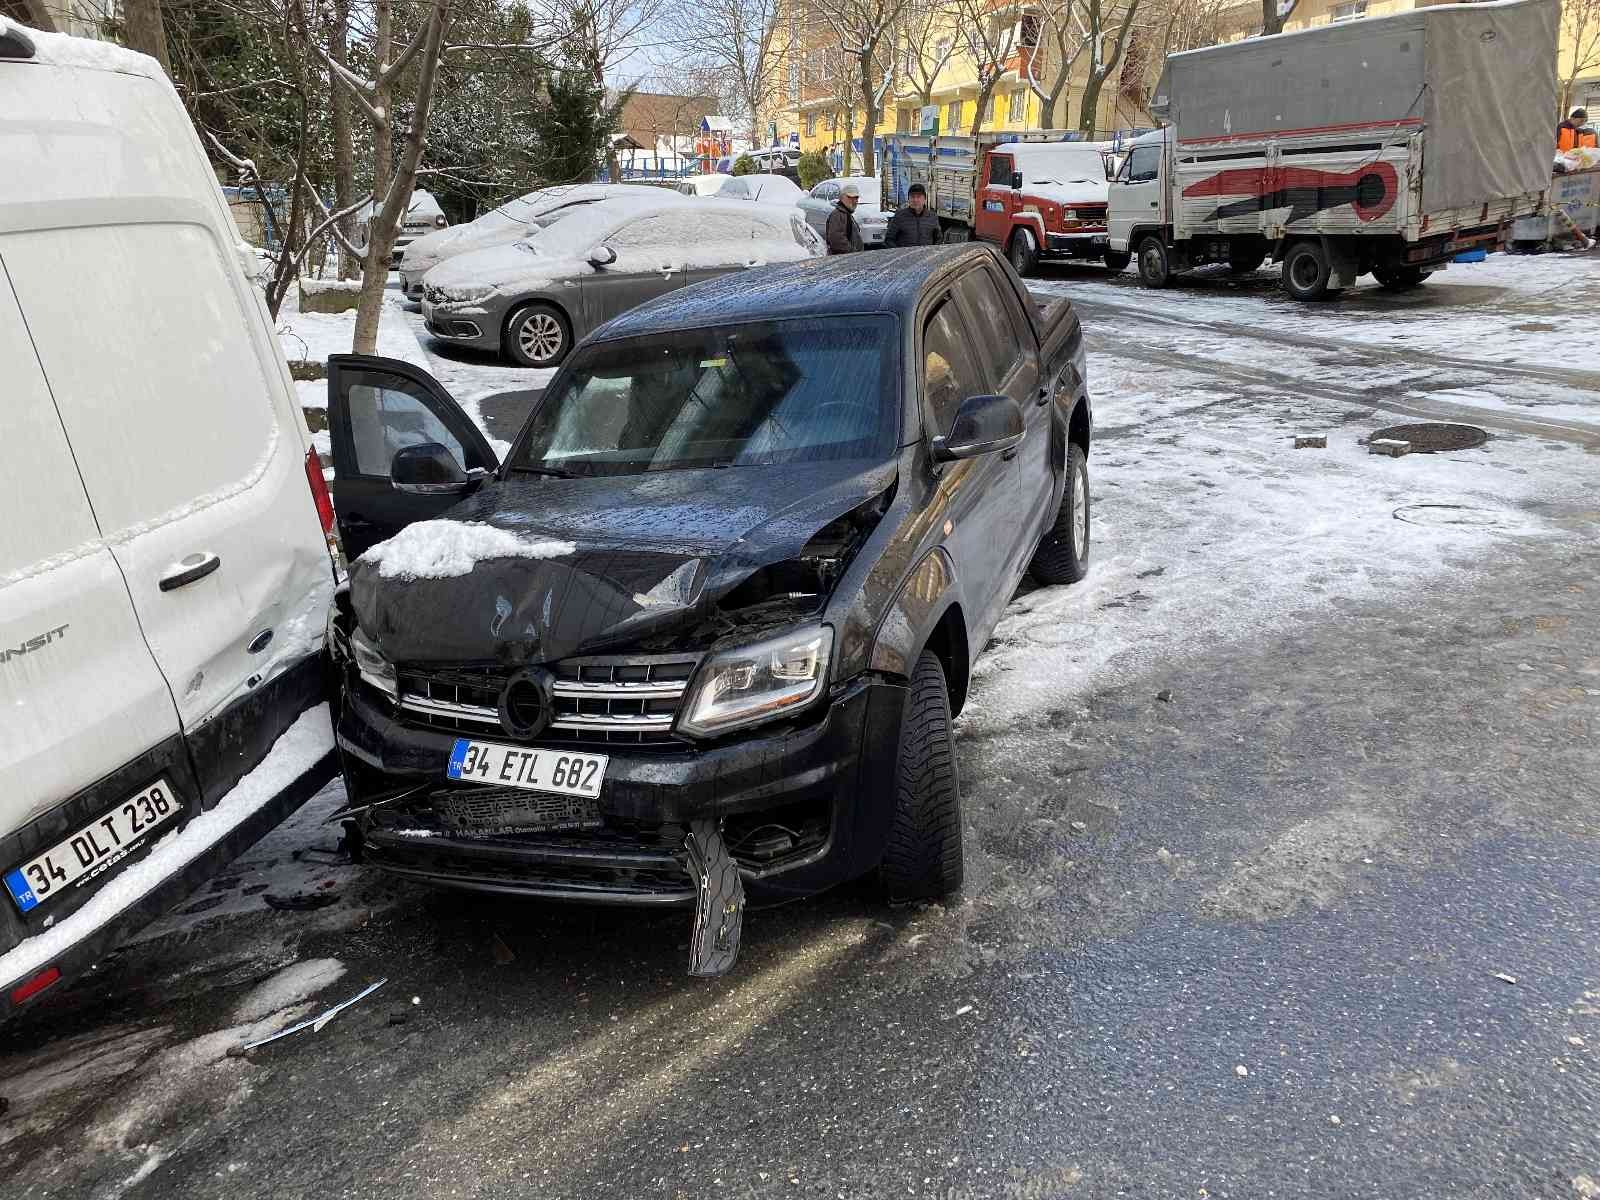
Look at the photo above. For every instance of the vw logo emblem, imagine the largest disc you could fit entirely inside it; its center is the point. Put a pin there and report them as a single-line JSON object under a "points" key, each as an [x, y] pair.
{"points": [[527, 703]]}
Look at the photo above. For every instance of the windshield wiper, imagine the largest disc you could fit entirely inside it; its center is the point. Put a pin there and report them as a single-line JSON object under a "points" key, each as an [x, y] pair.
{"points": [[553, 472]]}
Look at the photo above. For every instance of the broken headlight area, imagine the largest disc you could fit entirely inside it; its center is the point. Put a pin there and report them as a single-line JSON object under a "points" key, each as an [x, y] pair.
{"points": [[762, 681], [374, 670]]}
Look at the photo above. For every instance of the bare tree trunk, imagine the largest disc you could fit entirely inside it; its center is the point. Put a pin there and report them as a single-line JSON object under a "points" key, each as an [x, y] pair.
{"points": [[869, 124], [144, 30], [985, 94], [288, 255], [849, 137], [39, 16], [344, 157], [1047, 112], [1271, 20], [1089, 110], [394, 181]]}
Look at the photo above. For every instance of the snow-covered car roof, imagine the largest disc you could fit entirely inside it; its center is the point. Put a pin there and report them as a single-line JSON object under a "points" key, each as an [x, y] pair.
{"points": [[705, 185], [64, 50]]}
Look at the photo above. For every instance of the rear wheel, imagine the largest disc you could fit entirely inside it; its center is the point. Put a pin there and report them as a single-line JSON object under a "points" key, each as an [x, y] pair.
{"points": [[1024, 254], [1118, 260], [1063, 555], [1399, 279], [1155, 268], [1306, 271], [923, 858], [538, 336]]}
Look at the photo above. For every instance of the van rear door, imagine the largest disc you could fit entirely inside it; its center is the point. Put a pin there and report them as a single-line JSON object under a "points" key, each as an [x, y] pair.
{"points": [[80, 694], [163, 383]]}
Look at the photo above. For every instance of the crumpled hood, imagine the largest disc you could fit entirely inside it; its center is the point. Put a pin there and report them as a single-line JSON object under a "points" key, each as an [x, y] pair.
{"points": [[648, 554], [1072, 191], [500, 266]]}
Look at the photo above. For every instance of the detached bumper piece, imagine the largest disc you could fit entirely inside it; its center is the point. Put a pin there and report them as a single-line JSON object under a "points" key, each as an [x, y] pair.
{"points": [[719, 901]]}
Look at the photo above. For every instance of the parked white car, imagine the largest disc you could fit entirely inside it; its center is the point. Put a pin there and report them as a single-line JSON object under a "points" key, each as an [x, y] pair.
{"points": [[704, 185], [533, 300], [764, 189], [165, 571], [508, 222], [423, 215], [874, 221]]}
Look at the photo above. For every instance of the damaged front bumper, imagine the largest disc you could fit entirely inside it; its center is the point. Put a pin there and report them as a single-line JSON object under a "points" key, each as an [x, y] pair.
{"points": [[799, 807]]}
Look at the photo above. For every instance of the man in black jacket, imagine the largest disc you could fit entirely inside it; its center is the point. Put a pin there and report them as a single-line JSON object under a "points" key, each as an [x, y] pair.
{"points": [[843, 234], [913, 225]]}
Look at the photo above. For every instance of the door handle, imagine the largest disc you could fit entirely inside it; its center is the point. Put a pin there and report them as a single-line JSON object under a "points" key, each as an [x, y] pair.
{"points": [[1008, 455], [188, 569], [1154, 204]]}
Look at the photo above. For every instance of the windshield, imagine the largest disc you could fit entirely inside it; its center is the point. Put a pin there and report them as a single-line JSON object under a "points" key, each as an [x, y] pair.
{"points": [[1065, 164], [745, 395], [569, 231]]}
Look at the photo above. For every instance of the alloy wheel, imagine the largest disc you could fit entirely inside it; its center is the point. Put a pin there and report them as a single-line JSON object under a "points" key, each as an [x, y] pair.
{"points": [[540, 337]]}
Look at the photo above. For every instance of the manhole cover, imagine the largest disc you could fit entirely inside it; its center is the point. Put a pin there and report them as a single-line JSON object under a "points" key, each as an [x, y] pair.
{"points": [[1447, 514], [1434, 436]]}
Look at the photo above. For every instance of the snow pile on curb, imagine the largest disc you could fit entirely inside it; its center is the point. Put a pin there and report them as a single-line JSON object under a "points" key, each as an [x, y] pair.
{"points": [[442, 549], [291, 756]]}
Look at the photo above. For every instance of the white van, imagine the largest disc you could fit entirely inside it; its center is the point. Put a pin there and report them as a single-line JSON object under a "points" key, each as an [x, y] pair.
{"points": [[165, 569]]}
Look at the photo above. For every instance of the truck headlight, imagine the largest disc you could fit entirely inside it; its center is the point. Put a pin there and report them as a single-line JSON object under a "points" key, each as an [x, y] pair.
{"points": [[759, 682], [373, 667]]}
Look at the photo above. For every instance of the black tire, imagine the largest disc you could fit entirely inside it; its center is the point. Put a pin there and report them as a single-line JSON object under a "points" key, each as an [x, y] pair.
{"points": [[538, 335], [1118, 260], [923, 858], [1063, 555], [1306, 270], [1399, 279], [1155, 267], [1023, 253]]}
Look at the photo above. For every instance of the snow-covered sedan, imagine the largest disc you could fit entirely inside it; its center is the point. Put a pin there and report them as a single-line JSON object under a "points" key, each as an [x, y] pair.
{"points": [[764, 189], [870, 215], [533, 300], [702, 186], [504, 224]]}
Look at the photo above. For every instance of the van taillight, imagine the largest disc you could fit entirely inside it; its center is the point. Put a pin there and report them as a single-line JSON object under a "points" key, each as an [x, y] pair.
{"points": [[34, 986], [319, 490]]}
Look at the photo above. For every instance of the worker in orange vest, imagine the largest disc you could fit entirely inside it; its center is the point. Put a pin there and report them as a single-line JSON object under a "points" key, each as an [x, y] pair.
{"points": [[1575, 131]]}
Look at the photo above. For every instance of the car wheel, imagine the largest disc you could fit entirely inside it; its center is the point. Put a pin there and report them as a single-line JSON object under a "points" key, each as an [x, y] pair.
{"points": [[1118, 260], [1063, 555], [1155, 269], [1400, 279], [538, 336], [923, 858], [1306, 270], [1024, 254]]}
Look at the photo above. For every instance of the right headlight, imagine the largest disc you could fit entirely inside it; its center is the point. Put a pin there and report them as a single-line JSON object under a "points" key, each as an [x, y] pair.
{"points": [[372, 666], [763, 681]]}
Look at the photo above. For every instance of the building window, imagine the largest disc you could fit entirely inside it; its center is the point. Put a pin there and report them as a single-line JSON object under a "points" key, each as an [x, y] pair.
{"points": [[811, 124], [1028, 35], [1349, 12], [794, 83], [941, 50], [952, 116], [902, 119], [1017, 109]]}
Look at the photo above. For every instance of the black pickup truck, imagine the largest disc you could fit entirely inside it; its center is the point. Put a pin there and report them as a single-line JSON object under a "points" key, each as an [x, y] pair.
{"points": [[705, 628]]}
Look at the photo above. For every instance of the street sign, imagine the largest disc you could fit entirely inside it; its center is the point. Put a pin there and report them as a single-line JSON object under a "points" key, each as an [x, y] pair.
{"points": [[930, 120]]}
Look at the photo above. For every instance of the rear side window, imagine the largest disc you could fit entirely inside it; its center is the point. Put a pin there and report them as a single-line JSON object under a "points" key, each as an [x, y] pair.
{"points": [[35, 461], [149, 356], [948, 374], [997, 340]]}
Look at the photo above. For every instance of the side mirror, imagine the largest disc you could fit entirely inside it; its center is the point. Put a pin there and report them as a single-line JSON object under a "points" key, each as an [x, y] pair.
{"points": [[1016, 179], [429, 469], [983, 425], [602, 256]]}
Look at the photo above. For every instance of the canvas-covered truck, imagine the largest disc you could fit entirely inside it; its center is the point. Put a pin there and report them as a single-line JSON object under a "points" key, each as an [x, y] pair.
{"points": [[1037, 195], [1383, 146]]}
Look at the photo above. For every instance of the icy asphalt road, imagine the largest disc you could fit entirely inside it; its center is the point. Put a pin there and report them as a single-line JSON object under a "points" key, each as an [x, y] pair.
{"points": [[1251, 939]]}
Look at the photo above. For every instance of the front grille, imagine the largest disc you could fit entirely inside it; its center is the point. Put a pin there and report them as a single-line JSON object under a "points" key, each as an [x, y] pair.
{"points": [[598, 701]]}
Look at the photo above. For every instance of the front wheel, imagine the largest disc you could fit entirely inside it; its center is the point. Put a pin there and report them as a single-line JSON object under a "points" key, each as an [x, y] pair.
{"points": [[1118, 260], [923, 859], [1399, 279], [1155, 268], [1063, 555], [538, 336], [1024, 254]]}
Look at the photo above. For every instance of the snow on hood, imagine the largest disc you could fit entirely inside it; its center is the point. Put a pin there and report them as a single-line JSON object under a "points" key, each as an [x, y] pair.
{"points": [[441, 549], [505, 268], [645, 554], [1077, 191]]}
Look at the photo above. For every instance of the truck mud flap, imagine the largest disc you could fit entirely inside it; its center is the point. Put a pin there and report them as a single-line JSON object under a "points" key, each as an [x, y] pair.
{"points": [[719, 901]]}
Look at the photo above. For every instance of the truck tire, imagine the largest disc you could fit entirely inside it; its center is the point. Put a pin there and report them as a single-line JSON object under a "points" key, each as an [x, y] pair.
{"points": [[1306, 270], [923, 859], [1118, 260], [1155, 267], [1063, 555], [1399, 279], [537, 335], [1024, 254]]}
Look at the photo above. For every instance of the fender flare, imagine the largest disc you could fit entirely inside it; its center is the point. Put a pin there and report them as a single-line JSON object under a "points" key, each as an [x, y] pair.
{"points": [[1033, 223], [915, 612]]}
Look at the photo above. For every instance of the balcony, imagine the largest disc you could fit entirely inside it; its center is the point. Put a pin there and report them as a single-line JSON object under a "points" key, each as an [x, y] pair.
{"points": [[1019, 62]]}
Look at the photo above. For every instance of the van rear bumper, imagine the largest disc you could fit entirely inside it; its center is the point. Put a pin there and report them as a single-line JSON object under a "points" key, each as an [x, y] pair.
{"points": [[289, 773]]}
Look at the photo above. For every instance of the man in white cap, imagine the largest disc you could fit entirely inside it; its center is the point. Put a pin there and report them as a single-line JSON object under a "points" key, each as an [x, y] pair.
{"points": [[844, 235]]}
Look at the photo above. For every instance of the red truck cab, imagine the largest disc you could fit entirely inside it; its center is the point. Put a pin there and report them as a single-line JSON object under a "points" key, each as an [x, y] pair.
{"points": [[1045, 200]]}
